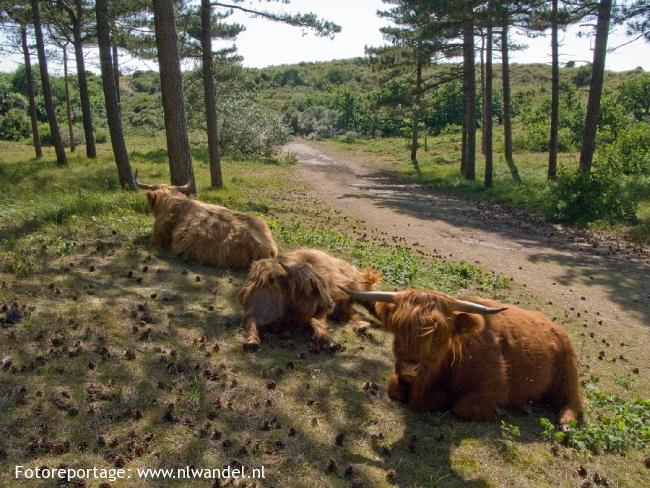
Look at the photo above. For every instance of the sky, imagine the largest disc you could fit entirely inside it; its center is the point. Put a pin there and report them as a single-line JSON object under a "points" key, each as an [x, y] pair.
{"points": [[265, 43]]}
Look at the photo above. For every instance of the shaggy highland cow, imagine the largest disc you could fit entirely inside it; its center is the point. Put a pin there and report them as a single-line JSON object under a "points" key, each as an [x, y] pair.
{"points": [[205, 233], [475, 357], [301, 289]]}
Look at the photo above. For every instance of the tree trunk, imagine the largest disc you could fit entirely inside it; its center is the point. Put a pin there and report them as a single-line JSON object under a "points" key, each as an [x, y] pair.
{"points": [[110, 96], [483, 104], [47, 89], [89, 134], [178, 146], [555, 94], [216, 177], [426, 135], [469, 96], [68, 106], [30, 93], [417, 108], [507, 107], [116, 65], [596, 86], [463, 146], [487, 111]]}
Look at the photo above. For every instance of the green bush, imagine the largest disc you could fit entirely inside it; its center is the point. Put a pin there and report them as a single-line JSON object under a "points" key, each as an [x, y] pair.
{"points": [[14, 125], [101, 137], [581, 198], [536, 137], [629, 153]]}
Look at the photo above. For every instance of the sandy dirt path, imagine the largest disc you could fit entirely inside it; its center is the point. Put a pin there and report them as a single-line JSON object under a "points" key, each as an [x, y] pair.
{"points": [[608, 279]]}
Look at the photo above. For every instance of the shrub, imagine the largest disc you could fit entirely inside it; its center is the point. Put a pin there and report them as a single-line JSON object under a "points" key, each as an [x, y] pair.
{"points": [[101, 137], [536, 137], [14, 125], [629, 153], [581, 198]]}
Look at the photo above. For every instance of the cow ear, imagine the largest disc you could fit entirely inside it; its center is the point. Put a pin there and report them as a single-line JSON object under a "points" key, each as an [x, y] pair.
{"points": [[151, 199], [467, 323], [323, 297]]}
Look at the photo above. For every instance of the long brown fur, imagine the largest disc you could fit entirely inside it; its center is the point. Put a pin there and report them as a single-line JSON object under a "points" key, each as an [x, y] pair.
{"points": [[208, 234], [477, 365], [300, 289]]}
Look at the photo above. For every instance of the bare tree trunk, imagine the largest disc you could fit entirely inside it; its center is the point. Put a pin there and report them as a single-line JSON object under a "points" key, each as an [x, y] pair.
{"points": [[110, 96], [596, 87], [555, 94], [417, 108], [487, 111], [463, 146], [216, 177], [30, 93], [116, 65], [68, 106], [84, 97], [469, 96], [178, 146], [47, 89], [507, 106], [484, 113]]}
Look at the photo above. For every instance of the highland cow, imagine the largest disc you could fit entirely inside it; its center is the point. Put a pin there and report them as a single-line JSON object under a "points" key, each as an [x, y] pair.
{"points": [[205, 233], [476, 357], [301, 289]]}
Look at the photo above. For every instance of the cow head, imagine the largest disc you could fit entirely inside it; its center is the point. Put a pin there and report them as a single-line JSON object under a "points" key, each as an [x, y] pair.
{"points": [[426, 323], [277, 290], [155, 192]]}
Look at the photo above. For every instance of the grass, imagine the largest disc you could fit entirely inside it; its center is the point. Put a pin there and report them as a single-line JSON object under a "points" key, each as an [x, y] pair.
{"points": [[127, 356], [438, 168]]}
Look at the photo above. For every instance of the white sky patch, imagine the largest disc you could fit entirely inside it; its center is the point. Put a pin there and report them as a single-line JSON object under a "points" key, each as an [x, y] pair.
{"points": [[266, 43]]}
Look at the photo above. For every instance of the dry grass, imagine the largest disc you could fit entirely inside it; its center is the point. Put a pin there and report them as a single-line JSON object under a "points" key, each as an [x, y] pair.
{"points": [[116, 332]]}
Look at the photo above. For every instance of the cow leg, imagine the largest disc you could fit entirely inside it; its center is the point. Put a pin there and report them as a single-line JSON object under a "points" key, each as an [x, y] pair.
{"points": [[428, 399], [475, 406], [398, 389], [359, 325], [321, 333], [252, 343]]}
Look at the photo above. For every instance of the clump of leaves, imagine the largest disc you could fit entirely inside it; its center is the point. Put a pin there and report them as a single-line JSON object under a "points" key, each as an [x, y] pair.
{"points": [[615, 425], [509, 432]]}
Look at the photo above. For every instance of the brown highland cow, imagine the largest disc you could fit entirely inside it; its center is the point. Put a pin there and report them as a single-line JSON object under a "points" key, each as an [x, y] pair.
{"points": [[301, 289], [205, 233], [475, 357]]}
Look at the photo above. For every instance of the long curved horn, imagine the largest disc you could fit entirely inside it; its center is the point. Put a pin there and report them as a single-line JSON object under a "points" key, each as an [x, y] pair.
{"points": [[470, 307], [371, 296], [184, 188], [144, 186]]}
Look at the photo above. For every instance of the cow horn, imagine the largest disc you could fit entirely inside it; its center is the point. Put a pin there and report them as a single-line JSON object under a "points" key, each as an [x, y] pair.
{"points": [[470, 307], [184, 188], [144, 186], [370, 296]]}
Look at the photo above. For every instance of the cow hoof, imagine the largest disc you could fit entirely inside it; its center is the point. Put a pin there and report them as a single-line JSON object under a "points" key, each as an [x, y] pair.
{"points": [[361, 327], [565, 428], [251, 346], [332, 347]]}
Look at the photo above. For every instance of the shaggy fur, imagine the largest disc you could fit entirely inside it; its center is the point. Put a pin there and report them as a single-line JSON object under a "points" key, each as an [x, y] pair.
{"points": [[300, 289], [208, 234], [474, 364]]}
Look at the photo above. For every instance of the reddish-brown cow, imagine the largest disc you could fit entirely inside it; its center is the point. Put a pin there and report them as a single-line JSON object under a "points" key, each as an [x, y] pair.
{"points": [[206, 233], [300, 289], [475, 357]]}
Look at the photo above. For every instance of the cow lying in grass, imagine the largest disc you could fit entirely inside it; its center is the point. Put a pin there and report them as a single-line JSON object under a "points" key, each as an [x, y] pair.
{"points": [[205, 233], [300, 289], [475, 357]]}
